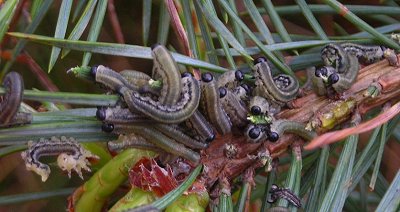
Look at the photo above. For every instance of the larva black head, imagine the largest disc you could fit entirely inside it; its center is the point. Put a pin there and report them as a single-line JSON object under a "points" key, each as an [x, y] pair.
{"points": [[274, 187], [321, 72], [259, 60], [254, 132], [186, 74], [154, 46], [222, 92], [93, 71], [207, 77], [333, 78], [239, 76], [273, 136], [255, 110], [209, 139], [101, 113], [107, 127]]}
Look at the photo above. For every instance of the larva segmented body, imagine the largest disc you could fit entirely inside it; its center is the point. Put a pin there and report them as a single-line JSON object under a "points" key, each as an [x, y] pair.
{"points": [[234, 107], [279, 127], [130, 141], [120, 116], [366, 54], [176, 113], [201, 126], [174, 133], [14, 86], [71, 156], [284, 193], [230, 79], [279, 89], [211, 105], [166, 68]]}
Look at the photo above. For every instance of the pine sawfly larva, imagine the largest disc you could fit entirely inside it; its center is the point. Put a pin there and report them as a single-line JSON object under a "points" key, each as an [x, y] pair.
{"points": [[211, 106], [157, 138], [284, 193], [230, 79], [130, 141], [174, 133], [281, 126], [234, 107], [176, 113], [71, 156], [165, 66], [201, 126], [14, 87], [120, 116], [280, 89]]}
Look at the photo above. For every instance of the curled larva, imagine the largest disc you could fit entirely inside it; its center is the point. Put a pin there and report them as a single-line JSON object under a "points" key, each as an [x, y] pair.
{"points": [[120, 116], [280, 89], [178, 135], [230, 79], [72, 156], [176, 113], [281, 126], [201, 127], [14, 87], [166, 68], [284, 193], [234, 107], [211, 105], [334, 55], [347, 79], [157, 138], [130, 140]]}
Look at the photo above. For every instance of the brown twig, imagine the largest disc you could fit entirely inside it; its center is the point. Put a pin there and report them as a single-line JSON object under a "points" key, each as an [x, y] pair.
{"points": [[305, 108]]}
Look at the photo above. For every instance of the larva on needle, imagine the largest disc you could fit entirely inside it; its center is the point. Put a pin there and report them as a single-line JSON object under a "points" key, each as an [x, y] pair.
{"points": [[165, 66], [71, 156], [14, 87]]}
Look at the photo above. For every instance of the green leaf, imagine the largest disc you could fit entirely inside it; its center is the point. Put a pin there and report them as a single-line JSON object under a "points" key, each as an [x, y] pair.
{"points": [[146, 20], [391, 200], [311, 19], [220, 27], [115, 49], [61, 28], [241, 203], [26, 197], [7, 12], [95, 28], [339, 8], [379, 156], [81, 24], [163, 25], [336, 193], [167, 199], [268, 54]]}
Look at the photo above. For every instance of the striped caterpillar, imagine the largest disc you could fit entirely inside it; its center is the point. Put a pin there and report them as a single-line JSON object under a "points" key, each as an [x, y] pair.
{"points": [[71, 156], [284, 193], [211, 105], [279, 89]]}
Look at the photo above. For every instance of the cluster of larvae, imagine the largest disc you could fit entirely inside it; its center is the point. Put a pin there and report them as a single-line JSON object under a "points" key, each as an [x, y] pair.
{"points": [[178, 114], [342, 63]]}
